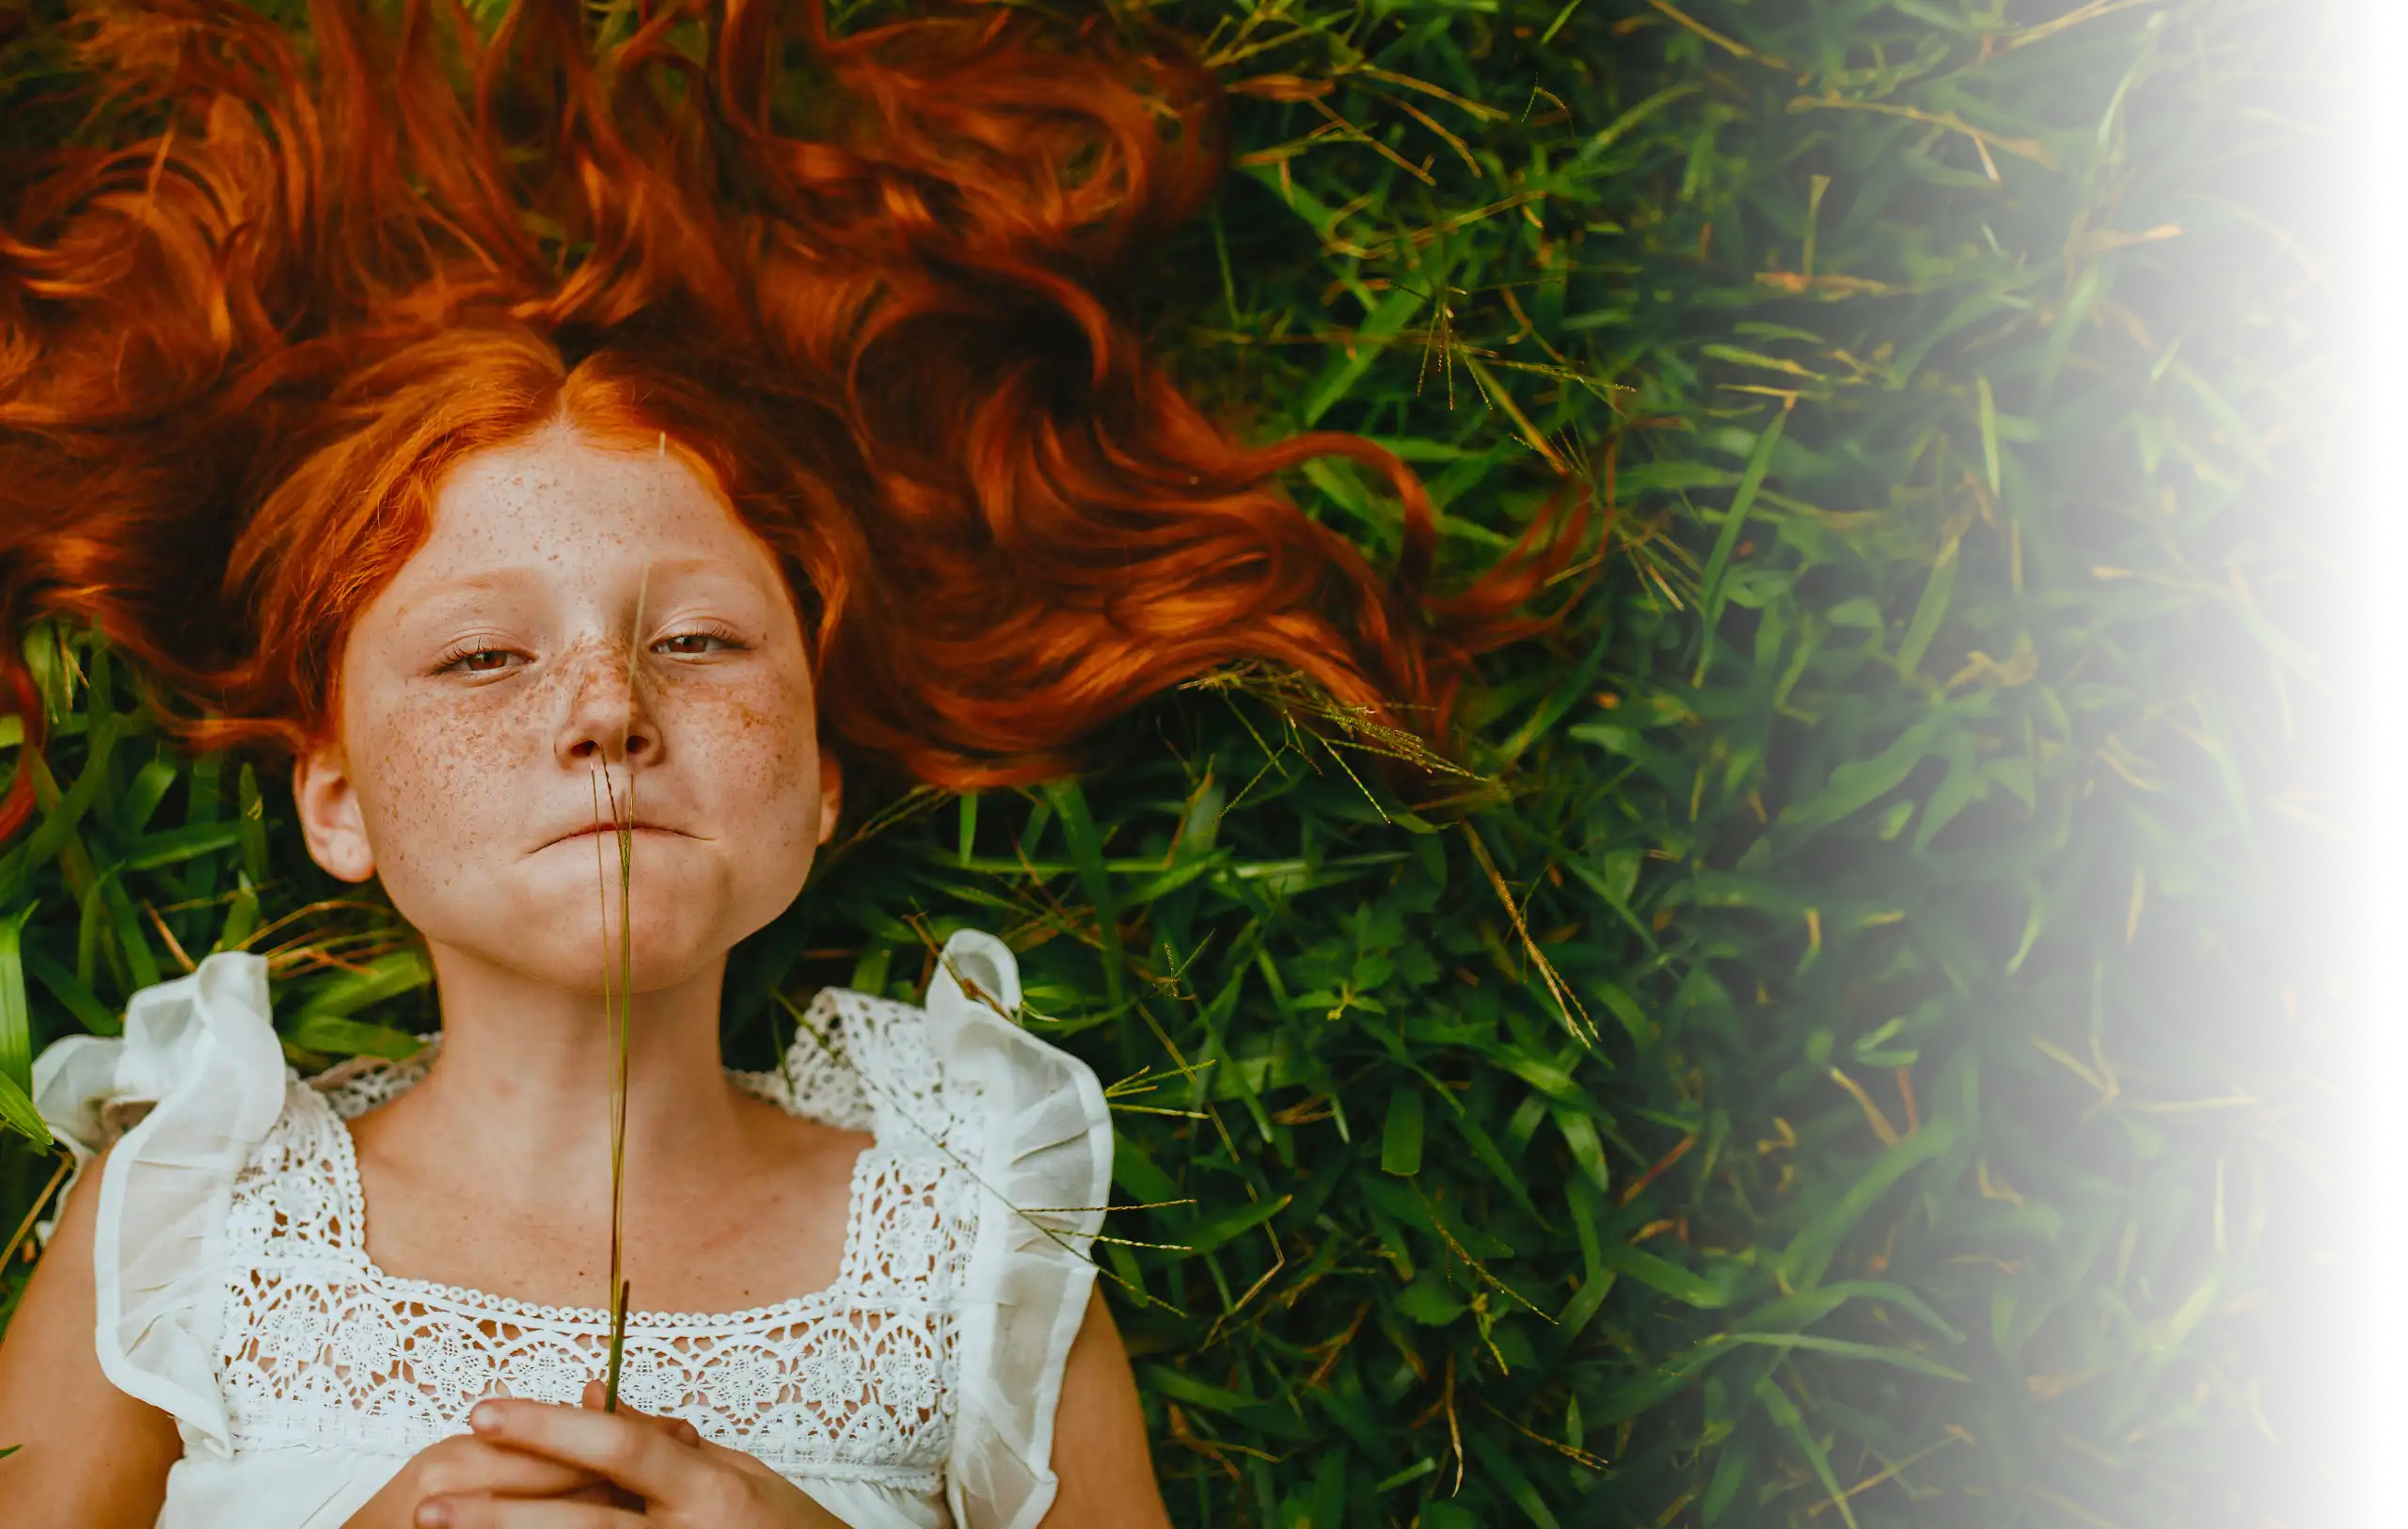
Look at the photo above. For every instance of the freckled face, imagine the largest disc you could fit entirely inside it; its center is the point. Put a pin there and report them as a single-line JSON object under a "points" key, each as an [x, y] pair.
{"points": [[486, 694]]}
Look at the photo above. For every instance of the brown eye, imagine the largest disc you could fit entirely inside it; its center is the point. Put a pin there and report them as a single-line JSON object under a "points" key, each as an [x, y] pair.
{"points": [[690, 643], [483, 661]]}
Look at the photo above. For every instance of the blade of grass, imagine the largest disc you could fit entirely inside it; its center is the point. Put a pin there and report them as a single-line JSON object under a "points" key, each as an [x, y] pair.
{"points": [[1711, 584], [17, 1111], [623, 818]]}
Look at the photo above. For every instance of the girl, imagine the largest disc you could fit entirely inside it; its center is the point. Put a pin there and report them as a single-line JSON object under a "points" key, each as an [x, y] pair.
{"points": [[503, 427]]}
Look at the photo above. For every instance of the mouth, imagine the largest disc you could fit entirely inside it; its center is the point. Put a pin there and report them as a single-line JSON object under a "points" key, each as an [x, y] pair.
{"points": [[611, 830]]}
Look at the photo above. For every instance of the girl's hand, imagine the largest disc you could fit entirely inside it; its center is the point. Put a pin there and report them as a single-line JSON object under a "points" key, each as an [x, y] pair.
{"points": [[677, 1479], [468, 1465]]}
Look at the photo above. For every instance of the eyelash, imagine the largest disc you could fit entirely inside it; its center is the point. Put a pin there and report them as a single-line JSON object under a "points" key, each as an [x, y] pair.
{"points": [[459, 653], [727, 639]]}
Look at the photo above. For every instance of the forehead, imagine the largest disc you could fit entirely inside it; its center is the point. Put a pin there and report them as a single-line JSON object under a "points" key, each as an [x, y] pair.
{"points": [[557, 498]]}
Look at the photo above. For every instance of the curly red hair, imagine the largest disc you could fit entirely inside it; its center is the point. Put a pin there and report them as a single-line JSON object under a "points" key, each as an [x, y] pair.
{"points": [[863, 282]]}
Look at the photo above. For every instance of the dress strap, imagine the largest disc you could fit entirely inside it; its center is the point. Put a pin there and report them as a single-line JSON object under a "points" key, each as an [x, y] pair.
{"points": [[1041, 1149], [200, 1073]]}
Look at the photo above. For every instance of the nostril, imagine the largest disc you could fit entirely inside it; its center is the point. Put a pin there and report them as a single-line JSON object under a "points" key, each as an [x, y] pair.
{"points": [[591, 747]]}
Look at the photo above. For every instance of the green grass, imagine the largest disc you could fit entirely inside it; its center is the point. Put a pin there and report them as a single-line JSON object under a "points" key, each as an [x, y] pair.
{"points": [[1919, 811]]}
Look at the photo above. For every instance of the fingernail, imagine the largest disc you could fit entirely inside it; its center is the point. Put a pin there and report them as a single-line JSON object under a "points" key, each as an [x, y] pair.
{"points": [[434, 1516], [484, 1417]]}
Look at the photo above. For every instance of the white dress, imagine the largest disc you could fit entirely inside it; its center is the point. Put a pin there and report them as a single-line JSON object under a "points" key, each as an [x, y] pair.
{"points": [[236, 1293]]}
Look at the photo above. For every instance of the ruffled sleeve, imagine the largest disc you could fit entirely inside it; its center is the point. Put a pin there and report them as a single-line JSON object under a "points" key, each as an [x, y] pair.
{"points": [[201, 1075], [1041, 1143]]}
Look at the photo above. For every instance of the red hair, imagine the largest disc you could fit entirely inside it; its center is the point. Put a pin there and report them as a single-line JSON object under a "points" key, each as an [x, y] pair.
{"points": [[238, 354]]}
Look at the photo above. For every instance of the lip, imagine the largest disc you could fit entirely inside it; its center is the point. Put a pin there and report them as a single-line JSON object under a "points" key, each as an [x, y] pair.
{"points": [[592, 829]]}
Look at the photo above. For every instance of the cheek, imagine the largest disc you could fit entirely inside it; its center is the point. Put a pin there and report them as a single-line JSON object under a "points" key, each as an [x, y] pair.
{"points": [[763, 748], [429, 780]]}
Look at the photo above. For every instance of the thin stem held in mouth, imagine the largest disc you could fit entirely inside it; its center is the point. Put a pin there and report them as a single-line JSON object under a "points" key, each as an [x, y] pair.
{"points": [[622, 1016]]}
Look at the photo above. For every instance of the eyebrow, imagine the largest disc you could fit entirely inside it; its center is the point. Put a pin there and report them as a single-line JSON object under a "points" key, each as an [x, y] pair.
{"points": [[454, 599]]}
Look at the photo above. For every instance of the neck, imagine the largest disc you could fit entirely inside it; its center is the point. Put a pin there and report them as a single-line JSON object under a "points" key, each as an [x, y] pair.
{"points": [[526, 1069]]}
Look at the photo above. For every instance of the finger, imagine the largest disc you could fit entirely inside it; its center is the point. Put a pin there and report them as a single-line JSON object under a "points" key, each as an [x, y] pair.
{"points": [[472, 1465], [480, 1512], [636, 1452], [677, 1428]]}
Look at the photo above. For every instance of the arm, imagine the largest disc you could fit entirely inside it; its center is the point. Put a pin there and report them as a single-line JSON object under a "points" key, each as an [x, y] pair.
{"points": [[1099, 1451], [90, 1455]]}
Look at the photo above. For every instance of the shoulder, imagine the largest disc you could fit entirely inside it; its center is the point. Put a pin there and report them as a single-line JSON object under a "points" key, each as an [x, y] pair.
{"points": [[1042, 1134], [198, 1052], [179, 1102], [862, 1061], [957, 1069], [183, 1101]]}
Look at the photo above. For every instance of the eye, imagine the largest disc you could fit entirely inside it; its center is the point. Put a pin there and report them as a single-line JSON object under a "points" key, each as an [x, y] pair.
{"points": [[694, 644], [476, 661]]}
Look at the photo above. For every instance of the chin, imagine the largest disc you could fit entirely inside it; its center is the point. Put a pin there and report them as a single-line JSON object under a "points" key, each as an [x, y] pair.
{"points": [[562, 935]]}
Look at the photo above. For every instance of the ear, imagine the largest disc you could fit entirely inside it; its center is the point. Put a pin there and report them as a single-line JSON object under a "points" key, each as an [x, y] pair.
{"points": [[331, 821], [831, 795]]}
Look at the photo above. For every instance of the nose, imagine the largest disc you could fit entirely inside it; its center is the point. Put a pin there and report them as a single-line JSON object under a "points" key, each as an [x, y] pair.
{"points": [[606, 721]]}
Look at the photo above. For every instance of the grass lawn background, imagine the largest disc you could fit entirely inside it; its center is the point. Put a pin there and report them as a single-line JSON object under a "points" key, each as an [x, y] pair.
{"points": [[1861, 1052]]}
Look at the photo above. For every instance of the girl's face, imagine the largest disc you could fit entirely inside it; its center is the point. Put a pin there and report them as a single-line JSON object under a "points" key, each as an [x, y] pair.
{"points": [[486, 690]]}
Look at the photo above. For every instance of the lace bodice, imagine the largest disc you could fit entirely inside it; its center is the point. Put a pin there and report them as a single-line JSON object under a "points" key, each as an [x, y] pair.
{"points": [[235, 1292], [319, 1346]]}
